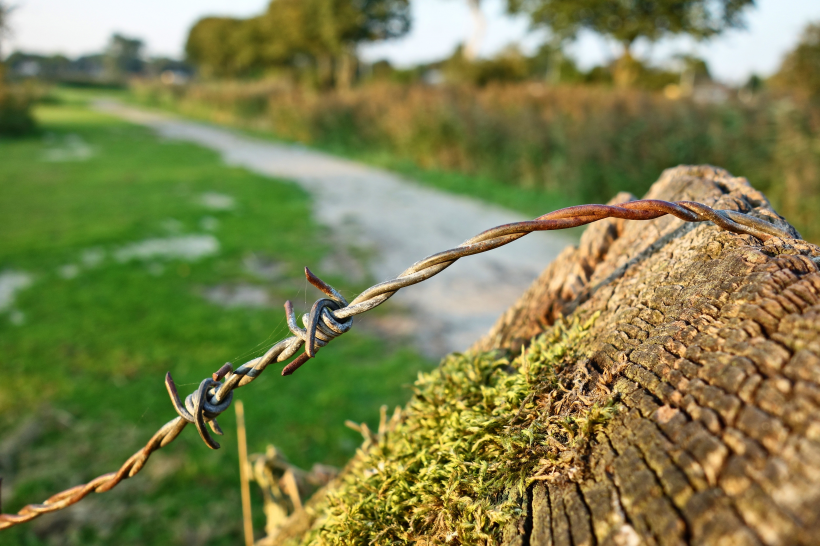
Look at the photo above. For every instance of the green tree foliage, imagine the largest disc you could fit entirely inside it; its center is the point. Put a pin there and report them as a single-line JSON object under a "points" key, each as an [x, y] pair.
{"points": [[628, 20], [213, 45], [47, 67], [123, 56], [800, 71], [302, 35], [509, 65], [5, 11], [15, 106]]}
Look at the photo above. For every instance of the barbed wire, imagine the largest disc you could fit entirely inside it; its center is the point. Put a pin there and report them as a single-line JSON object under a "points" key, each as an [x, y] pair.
{"points": [[333, 316]]}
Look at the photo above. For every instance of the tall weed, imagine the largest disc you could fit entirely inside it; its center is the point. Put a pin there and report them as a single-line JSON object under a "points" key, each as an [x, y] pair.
{"points": [[583, 141]]}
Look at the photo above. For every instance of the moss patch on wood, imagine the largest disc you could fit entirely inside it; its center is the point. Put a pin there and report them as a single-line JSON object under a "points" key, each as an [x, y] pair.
{"points": [[446, 469]]}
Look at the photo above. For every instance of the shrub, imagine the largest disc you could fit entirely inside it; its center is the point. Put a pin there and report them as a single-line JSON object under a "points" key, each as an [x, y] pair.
{"points": [[587, 142], [15, 112]]}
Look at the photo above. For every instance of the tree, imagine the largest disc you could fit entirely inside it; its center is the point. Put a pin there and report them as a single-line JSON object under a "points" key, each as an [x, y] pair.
{"points": [[469, 51], [124, 56], [328, 31], [800, 70], [321, 34], [212, 45], [628, 20], [5, 12], [15, 107], [479, 26]]}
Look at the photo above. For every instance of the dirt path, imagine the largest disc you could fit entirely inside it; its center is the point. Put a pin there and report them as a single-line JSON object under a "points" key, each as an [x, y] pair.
{"points": [[398, 223]]}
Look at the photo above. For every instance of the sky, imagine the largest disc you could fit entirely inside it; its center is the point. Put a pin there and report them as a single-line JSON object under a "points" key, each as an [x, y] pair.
{"points": [[76, 27]]}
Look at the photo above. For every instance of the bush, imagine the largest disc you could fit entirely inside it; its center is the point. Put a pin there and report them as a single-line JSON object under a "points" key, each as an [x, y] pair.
{"points": [[586, 142], [15, 112], [800, 72]]}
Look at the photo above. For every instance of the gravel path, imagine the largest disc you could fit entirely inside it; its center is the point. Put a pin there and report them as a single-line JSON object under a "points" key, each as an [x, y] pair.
{"points": [[398, 222]]}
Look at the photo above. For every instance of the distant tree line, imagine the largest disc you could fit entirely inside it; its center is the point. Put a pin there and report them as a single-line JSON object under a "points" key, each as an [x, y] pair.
{"points": [[123, 58], [315, 38], [315, 42], [627, 21]]}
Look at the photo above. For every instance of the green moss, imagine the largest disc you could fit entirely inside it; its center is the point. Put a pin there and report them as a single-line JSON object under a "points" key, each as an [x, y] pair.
{"points": [[479, 429]]}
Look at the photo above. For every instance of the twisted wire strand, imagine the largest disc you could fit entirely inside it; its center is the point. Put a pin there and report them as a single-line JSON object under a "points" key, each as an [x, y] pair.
{"points": [[333, 316]]}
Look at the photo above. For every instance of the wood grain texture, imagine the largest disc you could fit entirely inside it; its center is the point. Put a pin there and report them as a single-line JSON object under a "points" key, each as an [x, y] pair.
{"points": [[710, 344], [711, 341]]}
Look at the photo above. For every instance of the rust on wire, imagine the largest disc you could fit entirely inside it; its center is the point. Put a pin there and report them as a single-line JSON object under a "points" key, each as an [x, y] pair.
{"points": [[332, 316]]}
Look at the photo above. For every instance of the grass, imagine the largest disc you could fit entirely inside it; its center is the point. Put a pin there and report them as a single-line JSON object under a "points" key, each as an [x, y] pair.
{"points": [[530, 201], [527, 146], [87, 344]]}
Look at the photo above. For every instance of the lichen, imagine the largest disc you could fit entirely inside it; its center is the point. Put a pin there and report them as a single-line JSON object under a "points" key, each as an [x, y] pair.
{"points": [[478, 429]]}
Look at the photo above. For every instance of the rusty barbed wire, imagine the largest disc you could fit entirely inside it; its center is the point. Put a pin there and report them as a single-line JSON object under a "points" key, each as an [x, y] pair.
{"points": [[333, 316]]}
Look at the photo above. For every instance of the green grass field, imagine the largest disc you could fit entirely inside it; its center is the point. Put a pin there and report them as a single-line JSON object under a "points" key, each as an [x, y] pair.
{"points": [[111, 237]]}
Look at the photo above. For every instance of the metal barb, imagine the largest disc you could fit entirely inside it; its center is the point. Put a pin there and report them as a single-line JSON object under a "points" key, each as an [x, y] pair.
{"points": [[200, 407], [324, 287], [333, 316], [221, 372]]}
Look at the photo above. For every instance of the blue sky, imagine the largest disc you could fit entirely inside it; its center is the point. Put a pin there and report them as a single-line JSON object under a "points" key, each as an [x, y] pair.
{"points": [[81, 26]]}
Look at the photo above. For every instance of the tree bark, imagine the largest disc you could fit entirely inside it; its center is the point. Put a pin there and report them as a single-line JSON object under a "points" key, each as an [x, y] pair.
{"points": [[479, 26], [709, 342], [625, 70]]}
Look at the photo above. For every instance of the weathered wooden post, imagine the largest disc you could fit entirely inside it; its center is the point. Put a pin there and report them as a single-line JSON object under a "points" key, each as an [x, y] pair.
{"points": [[678, 402]]}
